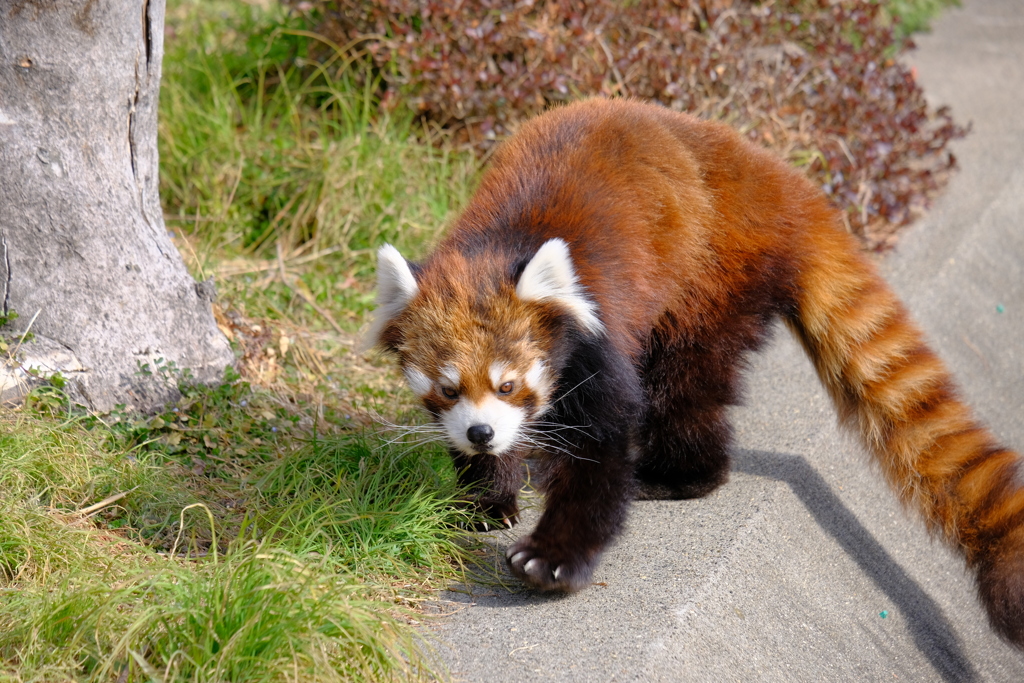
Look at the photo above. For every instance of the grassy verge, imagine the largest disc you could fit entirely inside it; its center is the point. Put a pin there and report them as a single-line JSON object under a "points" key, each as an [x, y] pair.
{"points": [[271, 166], [123, 556], [260, 530]]}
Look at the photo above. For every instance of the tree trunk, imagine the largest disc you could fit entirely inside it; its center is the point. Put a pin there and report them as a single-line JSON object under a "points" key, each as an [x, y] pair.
{"points": [[84, 254]]}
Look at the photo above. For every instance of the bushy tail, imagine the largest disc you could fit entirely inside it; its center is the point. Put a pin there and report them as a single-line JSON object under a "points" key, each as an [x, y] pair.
{"points": [[900, 398]]}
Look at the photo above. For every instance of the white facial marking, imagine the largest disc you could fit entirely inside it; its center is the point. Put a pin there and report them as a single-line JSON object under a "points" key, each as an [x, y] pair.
{"points": [[497, 373], [550, 276], [538, 378], [418, 382], [504, 418], [450, 374], [396, 287]]}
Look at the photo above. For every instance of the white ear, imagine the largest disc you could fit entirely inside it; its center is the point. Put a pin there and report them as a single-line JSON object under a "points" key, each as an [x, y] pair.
{"points": [[550, 276], [396, 287]]}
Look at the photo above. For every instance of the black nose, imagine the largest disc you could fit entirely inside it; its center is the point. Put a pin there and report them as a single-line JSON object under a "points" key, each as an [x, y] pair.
{"points": [[480, 434]]}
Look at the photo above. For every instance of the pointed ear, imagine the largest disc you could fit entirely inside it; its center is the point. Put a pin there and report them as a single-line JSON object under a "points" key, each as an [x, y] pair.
{"points": [[396, 287], [550, 276]]}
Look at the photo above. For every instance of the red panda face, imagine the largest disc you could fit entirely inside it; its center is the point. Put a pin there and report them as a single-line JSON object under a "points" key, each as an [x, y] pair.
{"points": [[473, 344], [475, 355], [484, 409]]}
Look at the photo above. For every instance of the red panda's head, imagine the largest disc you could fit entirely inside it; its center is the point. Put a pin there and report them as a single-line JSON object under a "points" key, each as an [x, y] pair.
{"points": [[476, 340]]}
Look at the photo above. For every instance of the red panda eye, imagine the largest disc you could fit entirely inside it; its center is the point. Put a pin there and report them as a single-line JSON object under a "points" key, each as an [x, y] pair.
{"points": [[449, 393], [507, 388]]}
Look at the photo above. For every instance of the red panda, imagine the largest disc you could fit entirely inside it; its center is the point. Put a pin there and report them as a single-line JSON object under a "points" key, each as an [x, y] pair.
{"points": [[592, 307]]}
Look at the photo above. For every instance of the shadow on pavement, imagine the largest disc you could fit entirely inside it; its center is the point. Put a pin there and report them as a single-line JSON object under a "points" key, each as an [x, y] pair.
{"points": [[929, 627]]}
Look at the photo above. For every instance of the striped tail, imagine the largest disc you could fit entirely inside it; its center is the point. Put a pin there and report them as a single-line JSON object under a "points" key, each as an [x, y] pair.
{"points": [[899, 397]]}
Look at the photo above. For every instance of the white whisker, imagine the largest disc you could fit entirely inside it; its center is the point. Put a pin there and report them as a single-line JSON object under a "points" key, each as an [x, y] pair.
{"points": [[566, 394], [410, 435], [417, 442], [550, 435], [379, 419], [542, 445], [560, 425]]}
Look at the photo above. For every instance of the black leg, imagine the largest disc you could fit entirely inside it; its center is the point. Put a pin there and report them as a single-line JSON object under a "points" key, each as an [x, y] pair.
{"points": [[689, 378], [492, 484], [587, 498], [588, 480], [685, 454]]}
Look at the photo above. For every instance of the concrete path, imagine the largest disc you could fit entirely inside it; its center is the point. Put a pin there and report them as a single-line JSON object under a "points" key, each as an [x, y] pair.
{"points": [[803, 567]]}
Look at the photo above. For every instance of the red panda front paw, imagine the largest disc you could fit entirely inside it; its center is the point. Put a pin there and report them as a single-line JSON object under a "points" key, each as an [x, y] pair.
{"points": [[494, 514], [548, 568]]}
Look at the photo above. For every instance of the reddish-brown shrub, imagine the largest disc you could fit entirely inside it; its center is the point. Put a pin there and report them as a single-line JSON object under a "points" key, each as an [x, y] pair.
{"points": [[815, 79]]}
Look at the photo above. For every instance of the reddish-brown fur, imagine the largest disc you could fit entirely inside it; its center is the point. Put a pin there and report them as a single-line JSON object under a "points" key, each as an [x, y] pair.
{"points": [[690, 240]]}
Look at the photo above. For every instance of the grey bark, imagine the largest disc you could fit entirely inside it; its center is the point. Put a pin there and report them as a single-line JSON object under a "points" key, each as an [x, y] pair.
{"points": [[83, 246]]}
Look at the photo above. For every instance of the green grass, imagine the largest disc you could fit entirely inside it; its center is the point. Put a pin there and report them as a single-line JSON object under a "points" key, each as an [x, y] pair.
{"points": [[372, 508], [228, 537], [297, 560], [916, 15], [263, 154], [257, 614]]}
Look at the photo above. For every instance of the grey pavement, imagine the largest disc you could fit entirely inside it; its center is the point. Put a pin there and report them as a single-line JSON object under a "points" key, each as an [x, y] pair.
{"points": [[804, 567]]}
